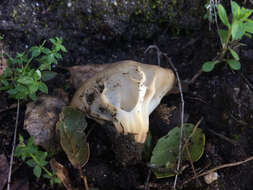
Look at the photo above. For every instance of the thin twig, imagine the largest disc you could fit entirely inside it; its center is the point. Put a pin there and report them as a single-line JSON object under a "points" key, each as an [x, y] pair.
{"points": [[182, 106], [146, 186], [182, 120], [220, 167], [231, 141], [192, 166], [13, 147], [158, 52]]}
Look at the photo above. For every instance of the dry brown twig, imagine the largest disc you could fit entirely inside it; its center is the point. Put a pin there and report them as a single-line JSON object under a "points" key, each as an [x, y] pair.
{"points": [[220, 167]]}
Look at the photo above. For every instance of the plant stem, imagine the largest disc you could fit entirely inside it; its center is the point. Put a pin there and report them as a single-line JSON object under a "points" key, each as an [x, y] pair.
{"points": [[13, 147], [45, 169]]}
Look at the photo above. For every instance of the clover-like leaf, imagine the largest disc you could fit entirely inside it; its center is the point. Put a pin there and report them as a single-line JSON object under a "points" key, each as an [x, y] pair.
{"points": [[71, 128], [165, 154]]}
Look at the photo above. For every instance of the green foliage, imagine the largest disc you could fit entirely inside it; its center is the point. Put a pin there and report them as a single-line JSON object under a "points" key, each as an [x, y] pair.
{"points": [[165, 154], [73, 139], [35, 158], [240, 26], [23, 76]]}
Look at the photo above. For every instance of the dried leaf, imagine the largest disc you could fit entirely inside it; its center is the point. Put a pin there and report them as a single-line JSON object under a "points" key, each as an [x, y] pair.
{"points": [[81, 73], [40, 119], [71, 128], [62, 173], [4, 170]]}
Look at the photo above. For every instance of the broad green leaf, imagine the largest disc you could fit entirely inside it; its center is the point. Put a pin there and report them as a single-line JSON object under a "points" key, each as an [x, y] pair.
{"points": [[43, 87], [235, 10], [208, 66], [234, 64], [48, 75], [223, 36], [26, 80], [244, 14], [37, 171], [71, 128], [249, 26], [223, 15], [234, 54], [238, 30], [165, 154]]}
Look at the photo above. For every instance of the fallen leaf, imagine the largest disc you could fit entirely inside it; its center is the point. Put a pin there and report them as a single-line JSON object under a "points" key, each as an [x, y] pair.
{"points": [[4, 170], [80, 73], [62, 173], [40, 119], [71, 128]]}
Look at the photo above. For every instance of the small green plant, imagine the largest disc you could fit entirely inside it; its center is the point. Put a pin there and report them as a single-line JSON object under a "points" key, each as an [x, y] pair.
{"points": [[240, 26], [35, 158], [23, 76]]}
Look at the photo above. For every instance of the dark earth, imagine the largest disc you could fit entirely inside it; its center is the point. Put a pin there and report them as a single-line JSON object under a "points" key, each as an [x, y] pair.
{"points": [[100, 32]]}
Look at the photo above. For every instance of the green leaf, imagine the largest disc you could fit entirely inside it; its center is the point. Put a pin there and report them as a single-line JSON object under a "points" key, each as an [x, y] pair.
{"points": [[37, 171], [26, 80], [234, 54], [235, 10], [32, 96], [46, 51], [249, 26], [21, 88], [244, 14], [37, 74], [165, 154], [223, 36], [238, 30], [12, 91], [5, 82], [208, 66], [71, 128], [234, 64], [43, 87], [31, 163], [223, 15], [33, 87], [48, 75]]}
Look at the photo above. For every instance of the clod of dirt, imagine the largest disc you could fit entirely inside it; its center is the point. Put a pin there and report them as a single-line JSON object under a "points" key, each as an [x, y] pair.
{"points": [[125, 94], [80, 73], [4, 169], [40, 120]]}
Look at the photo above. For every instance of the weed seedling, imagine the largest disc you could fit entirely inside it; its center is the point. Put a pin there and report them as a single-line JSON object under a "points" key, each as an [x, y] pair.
{"points": [[230, 37]]}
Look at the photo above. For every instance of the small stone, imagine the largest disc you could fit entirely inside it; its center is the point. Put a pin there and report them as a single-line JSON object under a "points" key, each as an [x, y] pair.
{"points": [[211, 177]]}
